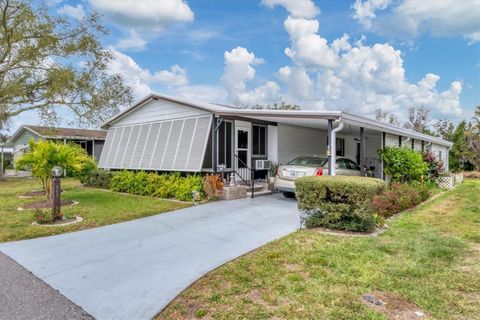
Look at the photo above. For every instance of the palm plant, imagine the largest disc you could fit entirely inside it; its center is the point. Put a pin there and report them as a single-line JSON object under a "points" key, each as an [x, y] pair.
{"points": [[44, 155]]}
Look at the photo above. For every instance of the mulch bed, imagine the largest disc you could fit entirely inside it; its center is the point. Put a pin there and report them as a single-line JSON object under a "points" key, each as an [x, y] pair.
{"points": [[46, 205], [393, 306]]}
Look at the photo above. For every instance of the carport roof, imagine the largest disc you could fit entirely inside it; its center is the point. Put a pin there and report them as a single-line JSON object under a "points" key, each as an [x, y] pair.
{"points": [[304, 118]]}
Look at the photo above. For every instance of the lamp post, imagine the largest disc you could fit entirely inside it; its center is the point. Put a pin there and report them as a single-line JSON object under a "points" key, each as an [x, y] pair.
{"points": [[56, 189]]}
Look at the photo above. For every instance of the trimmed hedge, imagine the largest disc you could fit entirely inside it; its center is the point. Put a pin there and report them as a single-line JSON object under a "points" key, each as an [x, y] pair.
{"points": [[157, 185], [339, 202], [97, 178]]}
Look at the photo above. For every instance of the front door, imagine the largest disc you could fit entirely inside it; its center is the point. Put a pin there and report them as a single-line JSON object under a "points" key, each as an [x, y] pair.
{"points": [[243, 152]]}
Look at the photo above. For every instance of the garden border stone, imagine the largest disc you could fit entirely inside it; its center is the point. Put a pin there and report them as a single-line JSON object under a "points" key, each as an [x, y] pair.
{"points": [[78, 219]]}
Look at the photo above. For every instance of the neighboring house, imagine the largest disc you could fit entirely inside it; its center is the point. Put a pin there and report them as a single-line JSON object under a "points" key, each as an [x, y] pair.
{"points": [[162, 133], [6, 156], [90, 140]]}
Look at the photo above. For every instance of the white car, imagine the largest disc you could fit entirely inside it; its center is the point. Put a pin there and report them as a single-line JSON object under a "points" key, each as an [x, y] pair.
{"points": [[305, 166]]}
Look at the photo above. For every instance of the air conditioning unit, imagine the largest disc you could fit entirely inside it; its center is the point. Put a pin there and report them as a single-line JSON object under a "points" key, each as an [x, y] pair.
{"points": [[262, 164]]}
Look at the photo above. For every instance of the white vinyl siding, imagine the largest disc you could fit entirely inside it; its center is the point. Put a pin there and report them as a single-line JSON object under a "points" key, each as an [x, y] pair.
{"points": [[391, 140], [440, 152], [177, 145], [159, 110], [272, 143], [406, 143], [296, 141], [418, 145]]}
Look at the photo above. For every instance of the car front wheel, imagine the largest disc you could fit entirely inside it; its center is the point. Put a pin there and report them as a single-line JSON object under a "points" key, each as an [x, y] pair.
{"points": [[289, 195]]}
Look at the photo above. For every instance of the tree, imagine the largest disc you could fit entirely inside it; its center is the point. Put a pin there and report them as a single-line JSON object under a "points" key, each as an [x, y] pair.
{"points": [[417, 119], [473, 137], [45, 154], [465, 152], [48, 63], [387, 117], [444, 128], [276, 106]]}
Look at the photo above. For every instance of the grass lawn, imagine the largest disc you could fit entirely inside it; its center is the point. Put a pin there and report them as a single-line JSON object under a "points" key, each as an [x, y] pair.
{"points": [[97, 207], [429, 256]]}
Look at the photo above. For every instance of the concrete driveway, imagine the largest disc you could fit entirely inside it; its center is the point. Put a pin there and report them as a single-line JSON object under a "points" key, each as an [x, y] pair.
{"points": [[132, 270]]}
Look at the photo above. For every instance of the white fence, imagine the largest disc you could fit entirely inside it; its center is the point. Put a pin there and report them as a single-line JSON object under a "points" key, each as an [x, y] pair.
{"points": [[450, 181]]}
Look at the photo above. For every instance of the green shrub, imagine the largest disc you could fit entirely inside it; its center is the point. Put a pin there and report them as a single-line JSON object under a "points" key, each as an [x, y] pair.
{"points": [[122, 181], [399, 197], [403, 164], [157, 185], [42, 216], [435, 166], [338, 202], [97, 178]]}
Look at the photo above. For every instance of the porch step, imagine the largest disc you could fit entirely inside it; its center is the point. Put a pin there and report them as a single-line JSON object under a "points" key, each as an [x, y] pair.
{"points": [[260, 193], [256, 187]]}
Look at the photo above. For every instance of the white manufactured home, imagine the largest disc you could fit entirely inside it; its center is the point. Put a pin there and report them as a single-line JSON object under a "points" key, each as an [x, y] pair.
{"points": [[162, 133]]}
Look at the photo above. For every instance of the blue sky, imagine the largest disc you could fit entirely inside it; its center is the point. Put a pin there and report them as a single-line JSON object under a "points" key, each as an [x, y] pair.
{"points": [[389, 53]]}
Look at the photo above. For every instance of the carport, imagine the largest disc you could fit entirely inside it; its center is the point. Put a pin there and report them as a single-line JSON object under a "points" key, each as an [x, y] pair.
{"points": [[162, 133]]}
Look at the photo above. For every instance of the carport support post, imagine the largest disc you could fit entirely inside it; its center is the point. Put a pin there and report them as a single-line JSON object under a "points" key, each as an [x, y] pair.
{"points": [[214, 144], [329, 146], [362, 151]]}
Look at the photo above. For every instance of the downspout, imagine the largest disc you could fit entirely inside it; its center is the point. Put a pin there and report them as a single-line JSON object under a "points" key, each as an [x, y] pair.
{"points": [[428, 145], [333, 150]]}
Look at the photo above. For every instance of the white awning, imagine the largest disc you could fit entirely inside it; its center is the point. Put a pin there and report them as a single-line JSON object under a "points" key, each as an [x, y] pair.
{"points": [[177, 145]]}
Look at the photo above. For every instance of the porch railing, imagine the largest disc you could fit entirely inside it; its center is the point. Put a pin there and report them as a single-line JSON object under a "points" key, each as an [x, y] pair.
{"points": [[244, 172]]}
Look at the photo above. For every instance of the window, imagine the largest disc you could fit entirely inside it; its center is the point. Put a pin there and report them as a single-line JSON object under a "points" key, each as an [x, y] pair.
{"points": [[259, 140], [225, 144], [340, 145], [439, 155]]}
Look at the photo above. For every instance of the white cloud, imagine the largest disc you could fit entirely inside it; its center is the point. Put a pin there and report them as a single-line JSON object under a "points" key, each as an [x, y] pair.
{"points": [[411, 18], [145, 14], [296, 8], [203, 93], [365, 10], [142, 79], [355, 77], [238, 69], [264, 94], [307, 47], [74, 12], [297, 81], [176, 76], [133, 42]]}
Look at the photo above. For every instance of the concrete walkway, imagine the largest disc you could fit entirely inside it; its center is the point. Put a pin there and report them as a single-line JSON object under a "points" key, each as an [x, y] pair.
{"points": [[132, 270]]}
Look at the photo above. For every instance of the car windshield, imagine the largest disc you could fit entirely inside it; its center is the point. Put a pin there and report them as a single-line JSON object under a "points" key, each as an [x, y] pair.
{"points": [[308, 161]]}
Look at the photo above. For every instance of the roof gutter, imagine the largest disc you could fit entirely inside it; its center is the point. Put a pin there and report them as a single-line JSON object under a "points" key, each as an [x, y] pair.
{"points": [[391, 129]]}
